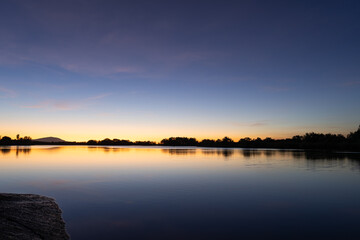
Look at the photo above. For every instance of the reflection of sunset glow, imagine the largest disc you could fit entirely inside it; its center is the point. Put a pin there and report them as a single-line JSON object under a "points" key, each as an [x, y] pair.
{"points": [[120, 179], [101, 163], [83, 157]]}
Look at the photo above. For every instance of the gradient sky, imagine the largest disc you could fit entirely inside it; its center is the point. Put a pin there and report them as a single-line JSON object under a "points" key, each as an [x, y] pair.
{"points": [[146, 70]]}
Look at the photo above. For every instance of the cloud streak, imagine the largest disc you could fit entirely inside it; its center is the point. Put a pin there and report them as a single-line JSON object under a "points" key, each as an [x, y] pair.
{"points": [[251, 124], [7, 93], [100, 96], [93, 67], [54, 105], [65, 105]]}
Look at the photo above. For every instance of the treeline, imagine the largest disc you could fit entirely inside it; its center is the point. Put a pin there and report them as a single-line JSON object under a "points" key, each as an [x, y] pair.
{"points": [[118, 142], [306, 141], [18, 141]]}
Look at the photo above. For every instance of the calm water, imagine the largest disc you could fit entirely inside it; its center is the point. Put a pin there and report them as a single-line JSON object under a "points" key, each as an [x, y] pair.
{"points": [[193, 193]]}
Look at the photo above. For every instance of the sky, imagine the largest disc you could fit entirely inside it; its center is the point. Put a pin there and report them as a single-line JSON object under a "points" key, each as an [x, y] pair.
{"points": [[148, 70]]}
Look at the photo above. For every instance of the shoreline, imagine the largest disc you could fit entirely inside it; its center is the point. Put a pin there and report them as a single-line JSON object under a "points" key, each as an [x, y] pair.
{"points": [[333, 150], [30, 216]]}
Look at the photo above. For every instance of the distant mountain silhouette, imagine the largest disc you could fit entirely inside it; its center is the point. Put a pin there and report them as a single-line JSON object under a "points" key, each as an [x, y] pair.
{"points": [[49, 140]]}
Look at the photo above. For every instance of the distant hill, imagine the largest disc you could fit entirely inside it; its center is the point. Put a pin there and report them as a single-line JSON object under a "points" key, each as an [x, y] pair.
{"points": [[49, 140]]}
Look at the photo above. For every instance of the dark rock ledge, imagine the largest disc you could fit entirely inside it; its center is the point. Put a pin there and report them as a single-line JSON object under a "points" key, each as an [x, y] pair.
{"points": [[29, 216]]}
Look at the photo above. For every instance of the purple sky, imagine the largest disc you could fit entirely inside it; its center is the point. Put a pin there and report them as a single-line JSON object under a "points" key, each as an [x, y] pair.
{"points": [[146, 70]]}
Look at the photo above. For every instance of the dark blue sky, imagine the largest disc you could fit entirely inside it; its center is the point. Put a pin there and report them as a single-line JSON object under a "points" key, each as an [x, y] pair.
{"points": [[154, 69]]}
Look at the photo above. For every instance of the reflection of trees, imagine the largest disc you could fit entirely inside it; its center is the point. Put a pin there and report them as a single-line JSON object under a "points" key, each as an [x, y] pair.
{"points": [[227, 152], [107, 149], [324, 159], [5, 150], [20, 150], [119, 149], [219, 152], [312, 159], [269, 153], [176, 151], [298, 154], [324, 155], [209, 151], [355, 163], [320, 155], [248, 153]]}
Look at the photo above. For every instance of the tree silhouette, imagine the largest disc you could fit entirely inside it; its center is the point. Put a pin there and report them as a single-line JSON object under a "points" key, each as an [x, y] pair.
{"points": [[179, 141], [6, 140], [307, 141]]}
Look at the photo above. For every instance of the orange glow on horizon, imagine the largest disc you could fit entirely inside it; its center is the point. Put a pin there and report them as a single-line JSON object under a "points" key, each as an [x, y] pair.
{"points": [[84, 132]]}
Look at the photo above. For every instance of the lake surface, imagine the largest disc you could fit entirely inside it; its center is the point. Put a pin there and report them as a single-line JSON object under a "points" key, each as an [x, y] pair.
{"points": [[191, 193]]}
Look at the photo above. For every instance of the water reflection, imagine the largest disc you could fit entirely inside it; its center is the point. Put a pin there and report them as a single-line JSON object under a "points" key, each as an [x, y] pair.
{"points": [[167, 193], [5, 150], [250, 153], [269, 153], [20, 150], [179, 151], [107, 149], [225, 152], [16, 149], [206, 152], [315, 159]]}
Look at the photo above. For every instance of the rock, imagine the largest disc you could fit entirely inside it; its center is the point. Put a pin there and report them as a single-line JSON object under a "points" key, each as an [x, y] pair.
{"points": [[29, 216]]}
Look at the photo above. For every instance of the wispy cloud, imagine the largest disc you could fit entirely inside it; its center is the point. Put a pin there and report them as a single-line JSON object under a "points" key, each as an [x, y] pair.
{"points": [[35, 106], [251, 124], [100, 96], [258, 124], [122, 69], [66, 105], [54, 105], [98, 69], [7, 93]]}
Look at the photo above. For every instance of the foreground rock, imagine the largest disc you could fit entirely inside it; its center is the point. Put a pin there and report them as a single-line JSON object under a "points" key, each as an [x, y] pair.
{"points": [[28, 216]]}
